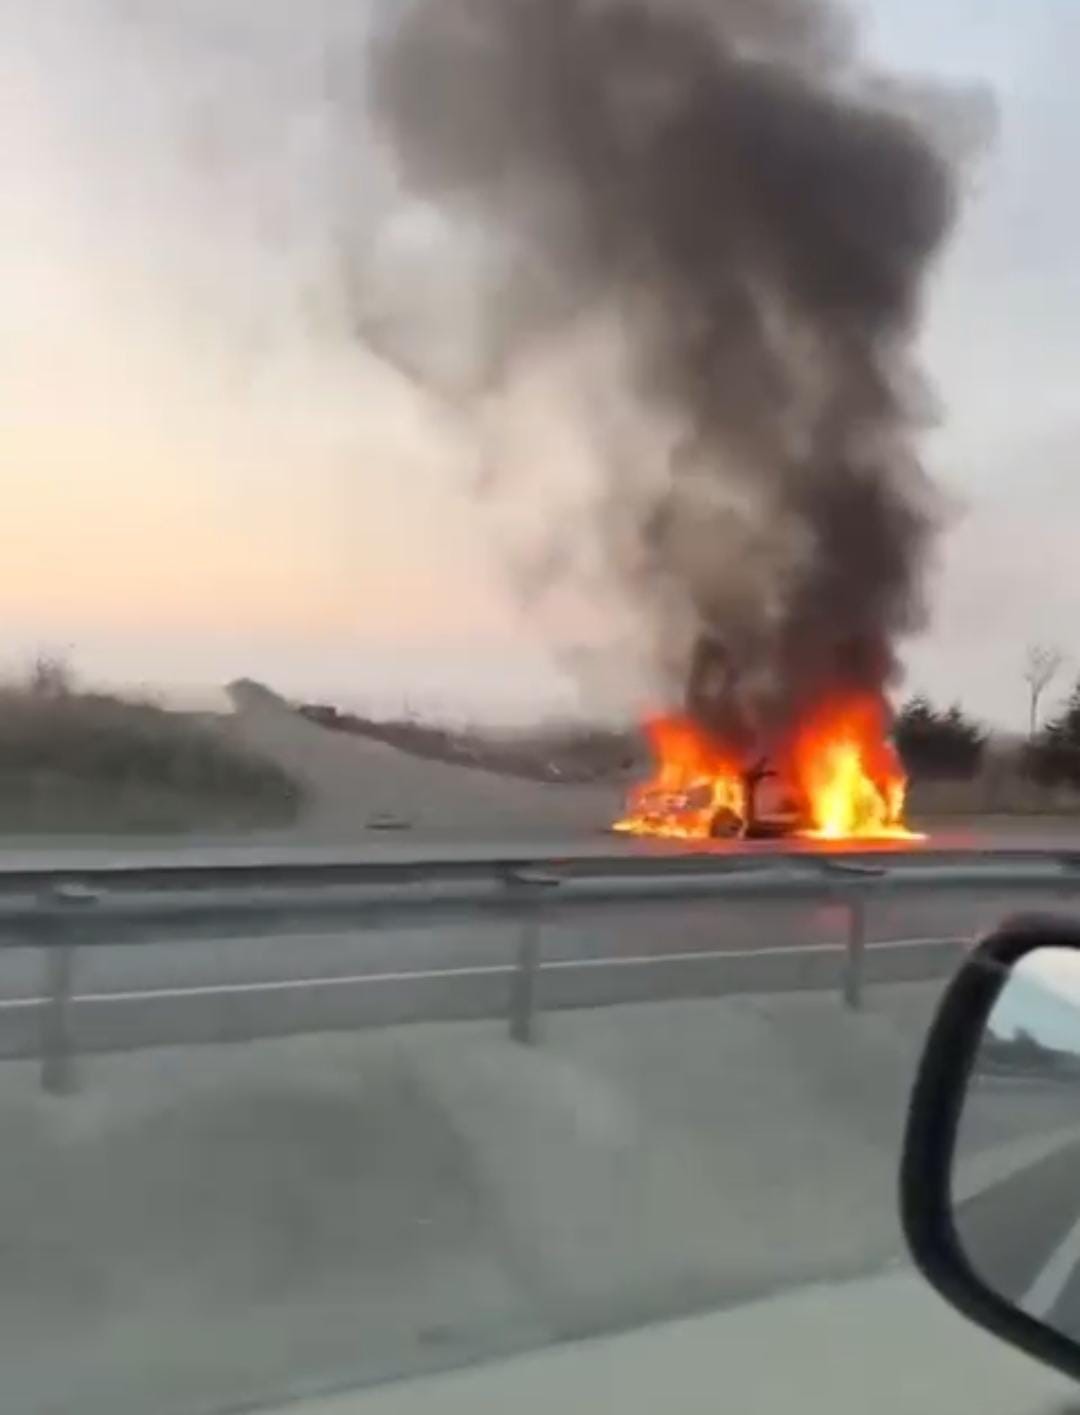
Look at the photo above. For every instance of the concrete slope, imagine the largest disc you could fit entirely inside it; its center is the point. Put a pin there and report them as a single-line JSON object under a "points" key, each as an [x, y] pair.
{"points": [[670, 1156], [353, 781], [200, 1229], [886, 1344]]}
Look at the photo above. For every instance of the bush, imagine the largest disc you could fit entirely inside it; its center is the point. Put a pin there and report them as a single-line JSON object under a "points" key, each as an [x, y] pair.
{"points": [[1052, 757], [934, 744]]}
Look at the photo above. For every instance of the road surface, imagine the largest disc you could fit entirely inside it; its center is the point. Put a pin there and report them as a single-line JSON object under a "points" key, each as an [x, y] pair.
{"points": [[1022, 1236], [254, 1221]]}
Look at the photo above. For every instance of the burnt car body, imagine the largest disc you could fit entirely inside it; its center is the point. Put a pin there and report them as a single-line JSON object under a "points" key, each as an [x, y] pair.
{"points": [[770, 811]]}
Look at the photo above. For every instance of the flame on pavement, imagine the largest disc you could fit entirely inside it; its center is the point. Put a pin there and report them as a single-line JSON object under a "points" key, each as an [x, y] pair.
{"points": [[849, 775], [838, 769], [696, 787]]}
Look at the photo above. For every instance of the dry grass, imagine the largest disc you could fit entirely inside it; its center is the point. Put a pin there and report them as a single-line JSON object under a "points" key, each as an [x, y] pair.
{"points": [[999, 789], [78, 762]]}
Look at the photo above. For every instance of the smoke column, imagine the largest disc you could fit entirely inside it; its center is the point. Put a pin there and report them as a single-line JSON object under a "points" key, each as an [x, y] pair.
{"points": [[755, 218]]}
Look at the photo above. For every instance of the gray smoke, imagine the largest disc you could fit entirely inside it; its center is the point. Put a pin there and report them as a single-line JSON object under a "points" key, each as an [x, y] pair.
{"points": [[761, 218]]}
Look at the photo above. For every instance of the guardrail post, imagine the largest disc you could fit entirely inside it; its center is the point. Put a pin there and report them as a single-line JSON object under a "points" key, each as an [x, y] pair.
{"points": [[1069, 862], [525, 891], [856, 950], [58, 939], [854, 897], [523, 987]]}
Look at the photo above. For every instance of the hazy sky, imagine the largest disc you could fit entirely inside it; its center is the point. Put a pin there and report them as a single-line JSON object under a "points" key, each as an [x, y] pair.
{"points": [[206, 476], [1042, 998]]}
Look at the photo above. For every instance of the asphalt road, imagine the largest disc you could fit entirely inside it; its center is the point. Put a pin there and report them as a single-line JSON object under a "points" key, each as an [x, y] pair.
{"points": [[1022, 1236], [461, 839]]}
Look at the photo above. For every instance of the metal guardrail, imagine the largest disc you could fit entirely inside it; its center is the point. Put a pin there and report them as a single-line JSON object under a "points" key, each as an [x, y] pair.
{"points": [[62, 912]]}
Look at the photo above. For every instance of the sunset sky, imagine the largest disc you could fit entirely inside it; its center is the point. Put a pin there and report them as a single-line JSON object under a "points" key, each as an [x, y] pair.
{"points": [[207, 476]]}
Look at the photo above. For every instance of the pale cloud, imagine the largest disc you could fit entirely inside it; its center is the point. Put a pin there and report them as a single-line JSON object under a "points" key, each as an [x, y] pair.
{"points": [[1003, 341], [205, 474], [196, 449]]}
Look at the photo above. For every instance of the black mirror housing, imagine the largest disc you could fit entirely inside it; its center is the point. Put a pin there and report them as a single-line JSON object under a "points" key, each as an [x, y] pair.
{"points": [[952, 1066]]}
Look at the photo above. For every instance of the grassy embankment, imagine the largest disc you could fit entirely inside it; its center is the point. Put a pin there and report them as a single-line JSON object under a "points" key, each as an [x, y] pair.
{"points": [[85, 762]]}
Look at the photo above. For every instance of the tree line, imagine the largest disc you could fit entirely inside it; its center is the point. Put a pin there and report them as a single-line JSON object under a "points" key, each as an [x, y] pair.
{"points": [[947, 744]]}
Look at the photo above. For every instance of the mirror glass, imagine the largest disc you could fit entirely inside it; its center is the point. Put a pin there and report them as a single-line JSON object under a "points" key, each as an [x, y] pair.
{"points": [[1016, 1177]]}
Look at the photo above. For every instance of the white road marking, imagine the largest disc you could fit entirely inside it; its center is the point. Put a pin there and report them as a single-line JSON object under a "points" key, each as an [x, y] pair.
{"points": [[1042, 1296], [473, 971]]}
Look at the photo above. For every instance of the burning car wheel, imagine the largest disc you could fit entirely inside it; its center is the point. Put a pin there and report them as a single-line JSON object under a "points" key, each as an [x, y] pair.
{"points": [[725, 824]]}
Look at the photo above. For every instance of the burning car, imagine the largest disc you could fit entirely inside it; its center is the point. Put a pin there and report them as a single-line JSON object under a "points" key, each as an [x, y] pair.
{"points": [[691, 813], [835, 776], [760, 807]]}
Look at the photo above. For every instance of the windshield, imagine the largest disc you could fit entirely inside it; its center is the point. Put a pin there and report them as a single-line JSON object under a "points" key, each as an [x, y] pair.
{"points": [[538, 629]]}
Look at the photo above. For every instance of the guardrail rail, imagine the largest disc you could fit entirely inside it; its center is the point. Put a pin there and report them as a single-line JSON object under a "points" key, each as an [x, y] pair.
{"points": [[62, 911]]}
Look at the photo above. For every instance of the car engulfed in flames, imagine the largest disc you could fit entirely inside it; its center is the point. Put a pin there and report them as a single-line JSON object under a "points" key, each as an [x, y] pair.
{"points": [[836, 776]]}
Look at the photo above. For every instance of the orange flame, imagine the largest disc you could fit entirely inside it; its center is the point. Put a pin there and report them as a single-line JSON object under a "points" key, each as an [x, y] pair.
{"points": [[838, 764], [694, 788], [848, 773]]}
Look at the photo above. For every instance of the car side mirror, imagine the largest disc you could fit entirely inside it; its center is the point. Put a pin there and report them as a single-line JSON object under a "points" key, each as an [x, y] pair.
{"points": [[990, 1172]]}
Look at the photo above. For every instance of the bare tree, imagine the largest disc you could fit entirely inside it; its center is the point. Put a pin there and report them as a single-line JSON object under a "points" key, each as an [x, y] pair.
{"points": [[50, 676], [1041, 664]]}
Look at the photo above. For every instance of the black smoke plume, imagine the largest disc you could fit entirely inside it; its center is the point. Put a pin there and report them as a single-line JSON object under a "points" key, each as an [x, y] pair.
{"points": [[761, 215]]}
